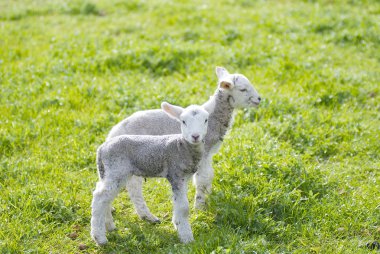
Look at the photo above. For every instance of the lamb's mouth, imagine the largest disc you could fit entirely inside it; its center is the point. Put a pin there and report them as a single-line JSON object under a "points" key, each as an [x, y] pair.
{"points": [[255, 104], [196, 142]]}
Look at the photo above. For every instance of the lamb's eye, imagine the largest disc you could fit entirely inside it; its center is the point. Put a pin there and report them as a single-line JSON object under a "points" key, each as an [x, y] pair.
{"points": [[206, 121], [184, 122], [243, 90]]}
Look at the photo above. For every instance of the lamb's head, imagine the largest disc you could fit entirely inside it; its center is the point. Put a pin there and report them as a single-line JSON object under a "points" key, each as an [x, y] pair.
{"points": [[243, 94], [193, 121]]}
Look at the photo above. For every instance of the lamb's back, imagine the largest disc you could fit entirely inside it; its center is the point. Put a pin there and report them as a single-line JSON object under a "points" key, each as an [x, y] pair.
{"points": [[147, 122], [147, 154]]}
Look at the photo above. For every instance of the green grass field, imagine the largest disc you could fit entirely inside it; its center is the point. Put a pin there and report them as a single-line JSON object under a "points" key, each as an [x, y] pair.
{"points": [[300, 174]]}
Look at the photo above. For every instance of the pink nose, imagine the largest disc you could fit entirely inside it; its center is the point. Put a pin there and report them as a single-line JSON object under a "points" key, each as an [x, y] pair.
{"points": [[195, 137]]}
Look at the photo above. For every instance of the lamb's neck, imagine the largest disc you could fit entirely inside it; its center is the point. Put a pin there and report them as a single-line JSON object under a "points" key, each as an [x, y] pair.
{"points": [[220, 118], [188, 157], [195, 151]]}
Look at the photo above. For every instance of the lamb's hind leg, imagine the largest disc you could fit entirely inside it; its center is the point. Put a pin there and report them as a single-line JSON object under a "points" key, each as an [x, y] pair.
{"points": [[134, 187], [103, 196], [110, 225], [203, 182]]}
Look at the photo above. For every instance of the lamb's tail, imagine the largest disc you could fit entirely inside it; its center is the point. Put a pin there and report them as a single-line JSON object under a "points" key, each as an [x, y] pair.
{"points": [[99, 163]]}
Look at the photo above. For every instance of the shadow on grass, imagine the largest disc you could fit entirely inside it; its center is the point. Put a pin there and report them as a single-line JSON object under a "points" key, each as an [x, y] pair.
{"points": [[137, 236]]}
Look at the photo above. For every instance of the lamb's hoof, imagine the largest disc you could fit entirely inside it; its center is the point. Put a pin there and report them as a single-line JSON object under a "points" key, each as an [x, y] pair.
{"points": [[155, 221], [373, 245], [100, 240], [200, 205], [111, 227], [152, 219], [186, 238]]}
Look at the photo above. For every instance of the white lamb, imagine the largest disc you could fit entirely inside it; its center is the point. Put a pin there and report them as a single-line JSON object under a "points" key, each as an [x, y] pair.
{"points": [[175, 157], [234, 91]]}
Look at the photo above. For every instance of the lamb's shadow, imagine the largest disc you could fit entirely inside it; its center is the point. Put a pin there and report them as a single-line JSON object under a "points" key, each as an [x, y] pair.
{"points": [[138, 236]]}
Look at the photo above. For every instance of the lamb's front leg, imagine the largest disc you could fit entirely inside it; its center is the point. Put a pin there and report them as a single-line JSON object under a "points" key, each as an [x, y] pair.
{"points": [[181, 210], [203, 182]]}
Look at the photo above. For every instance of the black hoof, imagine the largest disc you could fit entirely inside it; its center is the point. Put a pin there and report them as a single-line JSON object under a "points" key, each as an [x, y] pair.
{"points": [[373, 246]]}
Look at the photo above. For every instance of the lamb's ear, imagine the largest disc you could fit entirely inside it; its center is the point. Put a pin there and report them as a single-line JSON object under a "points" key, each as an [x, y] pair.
{"points": [[172, 110], [224, 78], [226, 84], [220, 72]]}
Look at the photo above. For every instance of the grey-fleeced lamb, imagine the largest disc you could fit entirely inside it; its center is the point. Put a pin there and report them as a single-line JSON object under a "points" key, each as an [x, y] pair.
{"points": [[234, 91], [175, 157]]}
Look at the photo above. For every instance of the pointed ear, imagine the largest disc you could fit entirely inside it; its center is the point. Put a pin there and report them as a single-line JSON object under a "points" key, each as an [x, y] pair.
{"points": [[220, 72], [226, 84], [172, 110], [224, 78]]}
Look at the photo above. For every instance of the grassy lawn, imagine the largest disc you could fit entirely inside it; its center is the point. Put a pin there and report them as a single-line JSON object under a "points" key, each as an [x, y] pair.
{"points": [[300, 174]]}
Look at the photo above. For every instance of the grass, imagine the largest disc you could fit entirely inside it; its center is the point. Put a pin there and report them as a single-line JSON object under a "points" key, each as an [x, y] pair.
{"points": [[300, 174]]}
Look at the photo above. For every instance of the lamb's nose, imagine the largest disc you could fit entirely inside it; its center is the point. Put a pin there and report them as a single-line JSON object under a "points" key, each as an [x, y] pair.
{"points": [[195, 137]]}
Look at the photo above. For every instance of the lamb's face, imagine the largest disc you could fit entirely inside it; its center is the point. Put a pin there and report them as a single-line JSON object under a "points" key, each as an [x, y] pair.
{"points": [[243, 93], [194, 124]]}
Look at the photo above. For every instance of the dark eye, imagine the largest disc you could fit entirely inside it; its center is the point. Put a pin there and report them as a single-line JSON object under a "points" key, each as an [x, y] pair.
{"points": [[184, 122], [206, 121], [243, 90]]}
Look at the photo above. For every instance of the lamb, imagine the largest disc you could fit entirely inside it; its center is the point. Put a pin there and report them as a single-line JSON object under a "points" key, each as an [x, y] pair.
{"points": [[175, 157], [234, 91]]}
